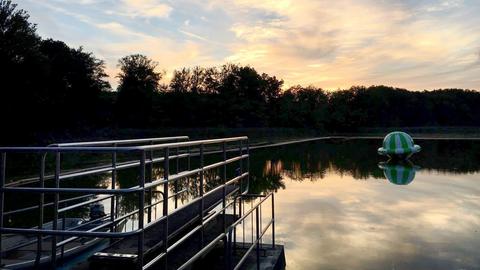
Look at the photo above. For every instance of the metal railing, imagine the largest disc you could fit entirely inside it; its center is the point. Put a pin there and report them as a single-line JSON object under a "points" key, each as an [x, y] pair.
{"points": [[144, 150], [229, 236]]}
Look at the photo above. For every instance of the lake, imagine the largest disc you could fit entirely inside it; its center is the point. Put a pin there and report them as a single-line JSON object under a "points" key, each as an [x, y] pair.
{"points": [[336, 209], [339, 205]]}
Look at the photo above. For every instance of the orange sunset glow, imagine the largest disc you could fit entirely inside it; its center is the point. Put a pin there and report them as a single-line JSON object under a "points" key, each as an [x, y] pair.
{"points": [[330, 44]]}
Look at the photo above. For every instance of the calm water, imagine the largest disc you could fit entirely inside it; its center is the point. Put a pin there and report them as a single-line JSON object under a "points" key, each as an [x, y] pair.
{"points": [[336, 209]]}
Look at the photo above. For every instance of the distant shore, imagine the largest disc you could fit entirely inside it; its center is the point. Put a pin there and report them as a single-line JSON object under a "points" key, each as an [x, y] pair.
{"points": [[258, 136]]}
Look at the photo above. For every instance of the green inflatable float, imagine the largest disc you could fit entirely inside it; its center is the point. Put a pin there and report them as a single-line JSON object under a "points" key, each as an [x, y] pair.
{"points": [[399, 173], [398, 145]]}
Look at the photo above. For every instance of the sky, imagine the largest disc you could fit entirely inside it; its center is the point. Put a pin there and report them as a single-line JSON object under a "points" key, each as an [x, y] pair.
{"points": [[413, 44]]}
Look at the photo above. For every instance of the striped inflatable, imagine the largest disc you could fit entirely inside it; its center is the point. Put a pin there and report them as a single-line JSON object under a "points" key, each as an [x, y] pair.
{"points": [[398, 174], [398, 144]]}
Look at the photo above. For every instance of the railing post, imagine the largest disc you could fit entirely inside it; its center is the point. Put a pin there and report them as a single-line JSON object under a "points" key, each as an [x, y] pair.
{"points": [[175, 185], [55, 209], [257, 218], [62, 248], [113, 213], [229, 248], [202, 173], [235, 228], [251, 218], [242, 208], [224, 189], [188, 158], [248, 165], [141, 210], [150, 179], [273, 220], [40, 209], [225, 251], [261, 221], [240, 171], [3, 159], [166, 174]]}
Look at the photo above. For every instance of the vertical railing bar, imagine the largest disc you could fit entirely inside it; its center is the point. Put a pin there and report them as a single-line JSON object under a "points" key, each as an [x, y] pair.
{"points": [[258, 238], [177, 165], [188, 158], [166, 174], [234, 228], [113, 213], [141, 211], [260, 220], [230, 259], [3, 164], [224, 189], [251, 216], [40, 209], [273, 220], [202, 173], [177, 160], [240, 170], [224, 203], [55, 209], [226, 253], [242, 206], [248, 164], [62, 248], [240, 148], [188, 179], [117, 196], [150, 190]]}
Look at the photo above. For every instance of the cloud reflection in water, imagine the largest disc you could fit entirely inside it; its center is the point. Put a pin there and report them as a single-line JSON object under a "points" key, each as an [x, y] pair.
{"points": [[335, 221]]}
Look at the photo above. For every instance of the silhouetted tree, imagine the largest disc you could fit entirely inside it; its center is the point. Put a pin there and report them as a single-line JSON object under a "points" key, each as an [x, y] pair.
{"points": [[73, 82], [49, 87], [138, 83], [20, 68]]}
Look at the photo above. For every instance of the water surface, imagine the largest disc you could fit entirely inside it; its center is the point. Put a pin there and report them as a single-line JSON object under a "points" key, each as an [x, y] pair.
{"points": [[336, 209]]}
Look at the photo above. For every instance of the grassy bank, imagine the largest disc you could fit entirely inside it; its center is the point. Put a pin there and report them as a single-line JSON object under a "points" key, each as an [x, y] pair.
{"points": [[434, 132]]}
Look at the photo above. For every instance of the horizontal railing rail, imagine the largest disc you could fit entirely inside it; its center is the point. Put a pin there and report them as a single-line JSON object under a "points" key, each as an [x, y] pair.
{"points": [[122, 142]]}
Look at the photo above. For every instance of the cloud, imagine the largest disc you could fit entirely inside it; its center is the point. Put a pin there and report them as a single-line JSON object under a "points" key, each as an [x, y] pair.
{"points": [[444, 5], [142, 8], [397, 227], [356, 42], [116, 28], [331, 44]]}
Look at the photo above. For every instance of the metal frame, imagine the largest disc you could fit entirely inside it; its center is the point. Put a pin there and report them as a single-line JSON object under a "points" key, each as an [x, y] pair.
{"points": [[144, 187]]}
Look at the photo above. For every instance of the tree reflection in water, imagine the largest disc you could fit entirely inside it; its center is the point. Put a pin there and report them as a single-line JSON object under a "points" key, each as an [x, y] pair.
{"points": [[268, 169], [357, 158]]}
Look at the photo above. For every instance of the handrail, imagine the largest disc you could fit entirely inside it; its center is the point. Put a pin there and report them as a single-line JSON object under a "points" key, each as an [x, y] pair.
{"points": [[95, 149], [120, 142]]}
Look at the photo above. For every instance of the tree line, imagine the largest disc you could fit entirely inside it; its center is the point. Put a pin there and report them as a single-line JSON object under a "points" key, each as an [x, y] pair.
{"points": [[49, 87]]}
